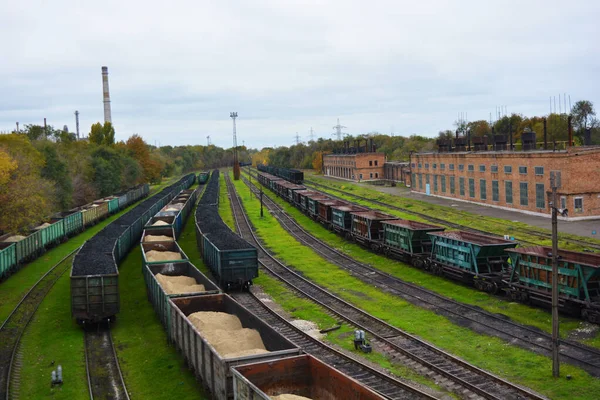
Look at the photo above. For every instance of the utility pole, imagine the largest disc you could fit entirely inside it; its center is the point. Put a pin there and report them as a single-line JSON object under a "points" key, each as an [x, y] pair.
{"points": [[17, 127], [312, 135], [236, 165], [297, 137], [208, 140], [555, 183], [261, 202]]}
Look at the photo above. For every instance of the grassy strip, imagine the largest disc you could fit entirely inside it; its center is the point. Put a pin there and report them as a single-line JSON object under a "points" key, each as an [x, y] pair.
{"points": [[152, 369], [225, 203], [490, 353], [499, 226], [53, 338], [524, 314]]}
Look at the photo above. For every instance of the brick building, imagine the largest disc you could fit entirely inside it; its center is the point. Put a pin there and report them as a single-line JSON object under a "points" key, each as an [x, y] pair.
{"points": [[356, 167], [397, 171], [518, 180]]}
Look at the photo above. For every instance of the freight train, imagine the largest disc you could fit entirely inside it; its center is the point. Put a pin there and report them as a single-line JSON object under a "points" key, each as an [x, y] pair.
{"points": [[94, 274], [488, 263], [291, 175], [16, 250], [232, 260]]}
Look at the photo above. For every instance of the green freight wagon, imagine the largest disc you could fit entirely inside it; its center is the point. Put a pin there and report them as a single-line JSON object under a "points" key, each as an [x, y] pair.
{"points": [[8, 259], [408, 240], [94, 298], [72, 221], [160, 299], [172, 247], [341, 217], [203, 177], [578, 279], [232, 268], [471, 258], [312, 205], [52, 233]]}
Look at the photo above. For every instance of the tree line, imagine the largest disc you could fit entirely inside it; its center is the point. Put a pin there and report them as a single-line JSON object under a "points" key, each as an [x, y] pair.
{"points": [[44, 170]]}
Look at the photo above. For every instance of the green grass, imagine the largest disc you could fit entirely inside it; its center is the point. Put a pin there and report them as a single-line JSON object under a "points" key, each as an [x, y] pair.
{"points": [[490, 353], [53, 336], [520, 230], [537, 317]]}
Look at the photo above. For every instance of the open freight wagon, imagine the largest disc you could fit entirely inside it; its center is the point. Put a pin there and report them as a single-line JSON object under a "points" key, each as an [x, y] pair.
{"points": [[213, 369], [302, 375]]}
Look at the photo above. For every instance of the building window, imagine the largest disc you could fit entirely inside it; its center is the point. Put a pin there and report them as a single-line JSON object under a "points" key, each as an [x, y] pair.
{"points": [[371, 175], [578, 203], [523, 170], [508, 190], [471, 187], [563, 202], [461, 186], [539, 170], [540, 198], [494, 169], [443, 179], [376, 162], [427, 179], [420, 181], [434, 166], [495, 191], [452, 183], [471, 168], [442, 166], [413, 181], [507, 169], [482, 168], [482, 189], [426, 165], [451, 167], [412, 165], [461, 167], [360, 176], [370, 163], [420, 165], [523, 196], [435, 187], [376, 174]]}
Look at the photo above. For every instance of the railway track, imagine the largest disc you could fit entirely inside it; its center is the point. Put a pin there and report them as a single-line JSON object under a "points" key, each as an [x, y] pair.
{"points": [[383, 384], [475, 318], [16, 323], [449, 371], [105, 380], [439, 221]]}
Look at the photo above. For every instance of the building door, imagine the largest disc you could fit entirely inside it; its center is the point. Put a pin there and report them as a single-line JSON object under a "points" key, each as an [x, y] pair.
{"points": [[427, 189]]}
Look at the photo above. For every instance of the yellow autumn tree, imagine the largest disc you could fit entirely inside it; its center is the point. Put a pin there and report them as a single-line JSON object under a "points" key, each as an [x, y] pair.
{"points": [[7, 166]]}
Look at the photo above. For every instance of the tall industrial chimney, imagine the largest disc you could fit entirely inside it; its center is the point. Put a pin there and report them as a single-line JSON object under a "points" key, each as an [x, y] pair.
{"points": [[106, 94]]}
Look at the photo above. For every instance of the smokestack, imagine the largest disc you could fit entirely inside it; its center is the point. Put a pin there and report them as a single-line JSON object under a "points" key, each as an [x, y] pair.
{"points": [[77, 123], [45, 128], [511, 136], [545, 135], [570, 130], [106, 95]]}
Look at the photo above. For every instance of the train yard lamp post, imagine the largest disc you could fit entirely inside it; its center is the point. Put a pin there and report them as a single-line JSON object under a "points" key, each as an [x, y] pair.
{"points": [[261, 202], [555, 183]]}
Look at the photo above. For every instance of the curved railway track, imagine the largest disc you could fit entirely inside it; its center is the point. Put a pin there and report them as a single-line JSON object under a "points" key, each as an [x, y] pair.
{"points": [[14, 326], [451, 372], [105, 380], [439, 221], [463, 314]]}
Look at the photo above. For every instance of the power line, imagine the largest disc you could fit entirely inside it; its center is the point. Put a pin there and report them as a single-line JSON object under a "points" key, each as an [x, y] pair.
{"points": [[297, 137]]}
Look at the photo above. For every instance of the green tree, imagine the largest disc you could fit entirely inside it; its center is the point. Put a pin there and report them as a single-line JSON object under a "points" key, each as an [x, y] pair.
{"points": [[102, 134], [583, 113], [56, 171]]}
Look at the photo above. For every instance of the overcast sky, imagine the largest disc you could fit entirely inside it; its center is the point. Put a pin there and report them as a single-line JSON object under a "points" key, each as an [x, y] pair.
{"points": [[177, 69]]}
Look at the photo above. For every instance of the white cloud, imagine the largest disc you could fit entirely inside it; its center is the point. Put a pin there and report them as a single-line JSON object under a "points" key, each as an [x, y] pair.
{"points": [[177, 69]]}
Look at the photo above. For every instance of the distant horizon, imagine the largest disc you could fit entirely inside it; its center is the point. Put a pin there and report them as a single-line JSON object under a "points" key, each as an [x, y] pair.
{"points": [[287, 67]]}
